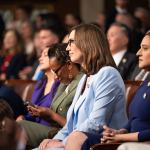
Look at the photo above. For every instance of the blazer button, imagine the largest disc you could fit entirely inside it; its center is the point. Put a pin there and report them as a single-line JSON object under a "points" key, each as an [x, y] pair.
{"points": [[60, 109]]}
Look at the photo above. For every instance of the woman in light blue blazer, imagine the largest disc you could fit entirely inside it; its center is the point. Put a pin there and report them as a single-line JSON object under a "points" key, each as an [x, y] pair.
{"points": [[100, 95]]}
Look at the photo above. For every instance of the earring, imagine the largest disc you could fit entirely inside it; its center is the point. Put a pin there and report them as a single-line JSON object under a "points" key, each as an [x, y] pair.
{"points": [[70, 76]]}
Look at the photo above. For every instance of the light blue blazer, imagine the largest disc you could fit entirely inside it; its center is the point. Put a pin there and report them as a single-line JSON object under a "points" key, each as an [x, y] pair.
{"points": [[102, 103]]}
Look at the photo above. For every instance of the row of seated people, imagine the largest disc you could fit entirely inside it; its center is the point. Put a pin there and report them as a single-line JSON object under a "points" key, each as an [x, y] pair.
{"points": [[118, 36], [44, 95], [113, 84]]}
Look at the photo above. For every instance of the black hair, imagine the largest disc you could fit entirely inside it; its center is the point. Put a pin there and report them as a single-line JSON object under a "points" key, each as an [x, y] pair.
{"points": [[59, 51]]}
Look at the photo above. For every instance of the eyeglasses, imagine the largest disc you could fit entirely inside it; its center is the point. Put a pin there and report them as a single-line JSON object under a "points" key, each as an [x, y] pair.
{"points": [[57, 70], [70, 42]]}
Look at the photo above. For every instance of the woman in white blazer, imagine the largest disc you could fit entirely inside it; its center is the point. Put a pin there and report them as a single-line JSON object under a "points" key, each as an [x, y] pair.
{"points": [[100, 95]]}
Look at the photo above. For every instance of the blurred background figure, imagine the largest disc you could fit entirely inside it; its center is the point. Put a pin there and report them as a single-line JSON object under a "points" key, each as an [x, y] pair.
{"points": [[100, 20], [118, 36], [135, 34], [27, 34], [121, 6], [143, 15], [22, 14], [12, 58], [2, 29], [72, 20], [12, 135]]}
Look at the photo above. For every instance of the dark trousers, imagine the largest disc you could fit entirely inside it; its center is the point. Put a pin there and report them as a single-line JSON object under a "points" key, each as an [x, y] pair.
{"points": [[91, 140]]}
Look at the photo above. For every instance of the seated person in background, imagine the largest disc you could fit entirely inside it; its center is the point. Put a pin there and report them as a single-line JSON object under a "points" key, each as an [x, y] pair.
{"points": [[69, 75], [13, 99], [12, 136], [100, 96], [118, 36], [44, 90], [12, 58], [5, 110], [138, 127]]}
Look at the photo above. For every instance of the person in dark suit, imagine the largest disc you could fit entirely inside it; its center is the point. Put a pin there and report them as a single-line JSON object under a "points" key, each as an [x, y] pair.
{"points": [[118, 38], [120, 7]]}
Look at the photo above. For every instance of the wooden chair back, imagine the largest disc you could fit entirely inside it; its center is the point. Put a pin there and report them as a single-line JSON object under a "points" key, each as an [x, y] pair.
{"points": [[24, 88]]}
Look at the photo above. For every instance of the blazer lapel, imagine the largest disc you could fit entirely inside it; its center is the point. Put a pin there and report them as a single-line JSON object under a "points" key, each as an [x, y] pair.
{"points": [[83, 96], [61, 96]]}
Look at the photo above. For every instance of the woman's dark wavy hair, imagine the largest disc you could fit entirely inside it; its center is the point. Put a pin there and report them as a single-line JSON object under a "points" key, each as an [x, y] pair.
{"points": [[59, 52], [94, 47]]}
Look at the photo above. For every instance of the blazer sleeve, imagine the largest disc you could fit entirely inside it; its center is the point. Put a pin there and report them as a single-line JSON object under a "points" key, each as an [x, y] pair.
{"points": [[107, 88], [144, 135]]}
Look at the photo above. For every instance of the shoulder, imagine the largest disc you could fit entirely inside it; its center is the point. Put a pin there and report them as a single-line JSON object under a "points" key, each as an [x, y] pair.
{"points": [[107, 71], [108, 75]]}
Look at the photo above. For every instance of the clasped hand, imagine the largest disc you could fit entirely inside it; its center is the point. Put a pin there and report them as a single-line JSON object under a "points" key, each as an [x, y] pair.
{"points": [[109, 135]]}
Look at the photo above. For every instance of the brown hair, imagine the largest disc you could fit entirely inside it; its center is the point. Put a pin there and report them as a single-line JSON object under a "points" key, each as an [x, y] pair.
{"points": [[19, 44], [9, 130], [5, 110], [94, 47]]}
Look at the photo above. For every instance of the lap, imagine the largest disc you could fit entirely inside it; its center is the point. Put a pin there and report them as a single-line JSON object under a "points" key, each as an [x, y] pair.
{"points": [[134, 146], [91, 140], [35, 132]]}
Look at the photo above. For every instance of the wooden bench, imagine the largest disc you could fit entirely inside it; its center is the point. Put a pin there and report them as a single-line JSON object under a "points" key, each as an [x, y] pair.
{"points": [[131, 88], [24, 88]]}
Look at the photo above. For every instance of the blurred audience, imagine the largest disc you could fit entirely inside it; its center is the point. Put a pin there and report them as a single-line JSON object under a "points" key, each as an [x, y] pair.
{"points": [[15, 102], [12, 136], [22, 14], [143, 15], [135, 34], [118, 38], [12, 58], [121, 6], [100, 20], [27, 35], [72, 20]]}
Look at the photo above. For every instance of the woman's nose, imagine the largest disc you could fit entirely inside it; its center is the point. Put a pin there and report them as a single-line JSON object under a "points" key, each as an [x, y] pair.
{"points": [[68, 48]]}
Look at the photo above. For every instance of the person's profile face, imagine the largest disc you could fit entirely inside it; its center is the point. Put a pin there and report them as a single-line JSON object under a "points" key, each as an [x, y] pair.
{"points": [[144, 53], [74, 52], [44, 60]]}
